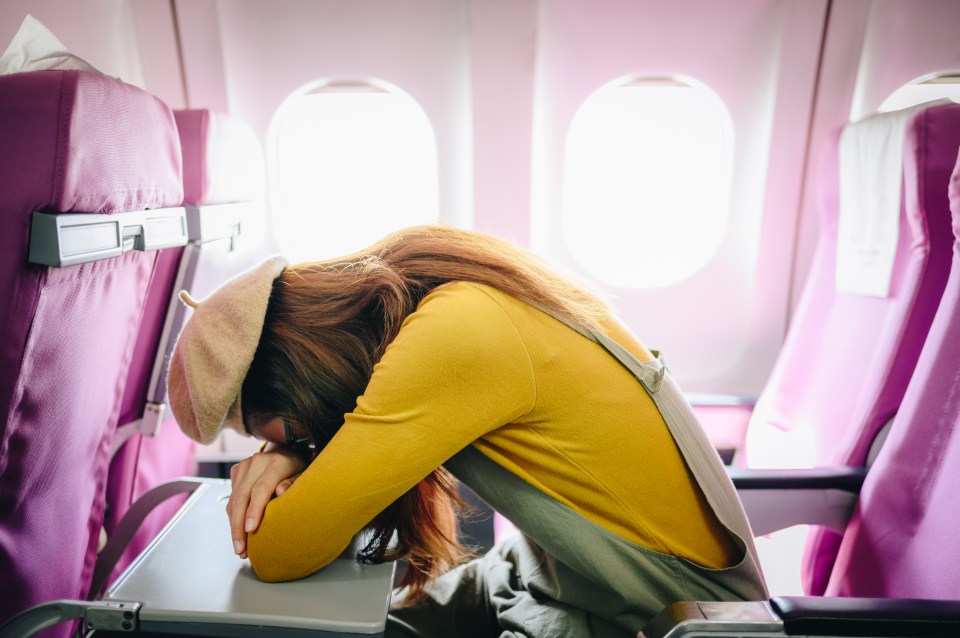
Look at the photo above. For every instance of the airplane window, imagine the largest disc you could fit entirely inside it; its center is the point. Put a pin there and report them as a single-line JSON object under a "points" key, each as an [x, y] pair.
{"points": [[925, 89], [351, 163], [647, 178]]}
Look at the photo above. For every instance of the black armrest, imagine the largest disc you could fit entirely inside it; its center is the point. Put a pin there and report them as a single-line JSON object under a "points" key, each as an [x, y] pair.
{"points": [[876, 617], [808, 616], [848, 479], [777, 499]]}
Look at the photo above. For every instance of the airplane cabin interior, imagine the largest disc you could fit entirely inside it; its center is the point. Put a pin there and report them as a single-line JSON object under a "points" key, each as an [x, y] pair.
{"points": [[767, 192]]}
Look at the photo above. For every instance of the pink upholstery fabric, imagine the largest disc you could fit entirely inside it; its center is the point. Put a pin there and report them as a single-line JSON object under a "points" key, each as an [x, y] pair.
{"points": [[902, 540], [72, 141], [214, 146], [847, 359], [130, 472], [143, 463]]}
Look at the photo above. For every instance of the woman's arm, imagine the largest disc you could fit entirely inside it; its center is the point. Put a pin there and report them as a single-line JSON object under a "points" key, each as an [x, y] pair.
{"points": [[255, 480], [457, 370]]}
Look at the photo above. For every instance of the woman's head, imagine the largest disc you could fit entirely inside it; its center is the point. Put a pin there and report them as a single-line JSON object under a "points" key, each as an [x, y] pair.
{"points": [[215, 349], [328, 323], [325, 327]]}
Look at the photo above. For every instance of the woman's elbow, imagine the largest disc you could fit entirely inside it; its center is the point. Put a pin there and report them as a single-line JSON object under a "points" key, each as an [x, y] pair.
{"points": [[275, 564]]}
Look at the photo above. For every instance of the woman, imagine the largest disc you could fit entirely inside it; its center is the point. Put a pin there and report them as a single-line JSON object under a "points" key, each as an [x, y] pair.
{"points": [[440, 352]]}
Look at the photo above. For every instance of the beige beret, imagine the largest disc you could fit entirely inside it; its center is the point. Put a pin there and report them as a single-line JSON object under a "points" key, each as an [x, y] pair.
{"points": [[215, 349]]}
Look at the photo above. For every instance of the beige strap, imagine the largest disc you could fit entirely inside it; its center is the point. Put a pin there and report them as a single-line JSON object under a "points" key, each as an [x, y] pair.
{"points": [[697, 451]]}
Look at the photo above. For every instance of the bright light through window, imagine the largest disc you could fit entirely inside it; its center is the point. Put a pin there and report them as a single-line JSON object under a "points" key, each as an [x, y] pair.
{"points": [[353, 163], [925, 89], [647, 181]]}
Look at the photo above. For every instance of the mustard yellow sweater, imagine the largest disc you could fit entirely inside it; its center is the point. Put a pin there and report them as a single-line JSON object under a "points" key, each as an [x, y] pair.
{"points": [[473, 366]]}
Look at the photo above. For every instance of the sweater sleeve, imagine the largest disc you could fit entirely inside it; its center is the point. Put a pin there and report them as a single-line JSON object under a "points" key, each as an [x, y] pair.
{"points": [[457, 370]]}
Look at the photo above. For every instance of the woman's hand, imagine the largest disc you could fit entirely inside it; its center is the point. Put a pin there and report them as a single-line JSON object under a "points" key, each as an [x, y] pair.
{"points": [[255, 480]]}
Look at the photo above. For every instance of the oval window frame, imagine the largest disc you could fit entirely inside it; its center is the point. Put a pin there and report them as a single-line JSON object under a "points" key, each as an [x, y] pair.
{"points": [[648, 252], [346, 231]]}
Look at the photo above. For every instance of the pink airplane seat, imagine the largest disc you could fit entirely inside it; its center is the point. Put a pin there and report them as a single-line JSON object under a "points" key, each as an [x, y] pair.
{"points": [[222, 181], [848, 356], [902, 539], [82, 159], [897, 572]]}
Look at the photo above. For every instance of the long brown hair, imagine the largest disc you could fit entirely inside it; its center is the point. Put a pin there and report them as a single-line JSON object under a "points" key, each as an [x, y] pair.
{"points": [[329, 322]]}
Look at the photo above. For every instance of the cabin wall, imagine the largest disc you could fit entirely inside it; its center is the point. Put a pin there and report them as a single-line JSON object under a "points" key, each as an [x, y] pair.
{"points": [[872, 48], [134, 41], [721, 327], [503, 55], [904, 41]]}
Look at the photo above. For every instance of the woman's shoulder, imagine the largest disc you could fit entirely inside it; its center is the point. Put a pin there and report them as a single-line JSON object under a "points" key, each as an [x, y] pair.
{"points": [[467, 297], [463, 306], [466, 290], [459, 324], [464, 314]]}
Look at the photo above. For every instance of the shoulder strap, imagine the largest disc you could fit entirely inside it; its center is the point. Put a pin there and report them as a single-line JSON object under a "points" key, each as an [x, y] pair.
{"points": [[697, 451]]}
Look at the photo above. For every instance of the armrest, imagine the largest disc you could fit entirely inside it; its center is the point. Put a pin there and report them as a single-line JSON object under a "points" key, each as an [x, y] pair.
{"points": [[808, 616], [698, 619], [96, 615], [777, 499], [879, 617], [845, 478]]}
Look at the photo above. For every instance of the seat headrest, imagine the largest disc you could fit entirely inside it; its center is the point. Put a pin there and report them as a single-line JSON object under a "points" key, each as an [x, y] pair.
{"points": [[921, 135], [222, 158], [78, 141], [887, 163]]}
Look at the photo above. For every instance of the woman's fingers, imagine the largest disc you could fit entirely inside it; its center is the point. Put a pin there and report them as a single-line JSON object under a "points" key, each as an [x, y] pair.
{"points": [[255, 480], [237, 505], [285, 484]]}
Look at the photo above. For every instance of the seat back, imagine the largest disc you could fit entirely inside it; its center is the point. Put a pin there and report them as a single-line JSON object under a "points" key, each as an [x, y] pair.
{"points": [[70, 141], [848, 356], [223, 186], [902, 539]]}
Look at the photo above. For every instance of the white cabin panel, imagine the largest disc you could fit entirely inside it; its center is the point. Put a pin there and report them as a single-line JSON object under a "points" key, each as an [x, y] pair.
{"points": [[420, 47], [720, 327]]}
